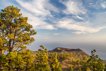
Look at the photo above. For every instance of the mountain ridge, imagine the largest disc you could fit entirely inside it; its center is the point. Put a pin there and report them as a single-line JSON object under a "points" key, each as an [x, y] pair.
{"points": [[63, 49]]}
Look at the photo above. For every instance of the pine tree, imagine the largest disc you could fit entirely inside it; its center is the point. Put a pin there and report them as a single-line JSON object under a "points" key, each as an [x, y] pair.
{"points": [[41, 63], [14, 29], [28, 59], [94, 63], [15, 32], [54, 62]]}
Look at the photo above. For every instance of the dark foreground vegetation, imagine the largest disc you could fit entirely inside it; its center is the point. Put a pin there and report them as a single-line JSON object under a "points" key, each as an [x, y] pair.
{"points": [[16, 34]]}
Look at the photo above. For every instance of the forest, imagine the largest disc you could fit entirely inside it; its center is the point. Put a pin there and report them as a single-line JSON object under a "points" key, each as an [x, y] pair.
{"points": [[15, 35]]}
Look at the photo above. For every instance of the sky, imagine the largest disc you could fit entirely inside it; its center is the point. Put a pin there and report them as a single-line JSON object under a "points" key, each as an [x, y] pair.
{"points": [[65, 23]]}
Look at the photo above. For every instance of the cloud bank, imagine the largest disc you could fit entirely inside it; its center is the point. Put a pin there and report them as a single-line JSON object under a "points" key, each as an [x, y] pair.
{"points": [[78, 16], [39, 11]]}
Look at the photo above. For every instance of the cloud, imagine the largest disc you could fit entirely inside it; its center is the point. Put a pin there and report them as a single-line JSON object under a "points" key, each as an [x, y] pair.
{"points": [[74, 7], [79, 27], [37, 22], [37, 12], [38, 7], [40, 10], [99, 5], [103, 4]]}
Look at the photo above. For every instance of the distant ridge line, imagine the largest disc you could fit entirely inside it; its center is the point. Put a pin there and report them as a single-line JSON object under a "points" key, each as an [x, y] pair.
{"points": [[60, 49]]}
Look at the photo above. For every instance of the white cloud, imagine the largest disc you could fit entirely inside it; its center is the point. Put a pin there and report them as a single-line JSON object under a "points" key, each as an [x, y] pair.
{"points": [[38, 7], [38, 10], [37, 22], [99, 4], [81, 18], [74, 7], [103, 4], [79, 27]]}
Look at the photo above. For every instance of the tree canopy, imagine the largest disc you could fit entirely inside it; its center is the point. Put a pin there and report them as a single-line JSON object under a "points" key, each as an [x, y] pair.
{"points": [[15, 31]]}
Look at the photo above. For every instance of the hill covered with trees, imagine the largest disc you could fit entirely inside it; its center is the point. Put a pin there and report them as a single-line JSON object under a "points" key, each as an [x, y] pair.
{"points": [[70, 57]]}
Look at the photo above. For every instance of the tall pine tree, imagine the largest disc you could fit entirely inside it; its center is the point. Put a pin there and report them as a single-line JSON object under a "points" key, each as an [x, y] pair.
{"points": [[15, 31]]}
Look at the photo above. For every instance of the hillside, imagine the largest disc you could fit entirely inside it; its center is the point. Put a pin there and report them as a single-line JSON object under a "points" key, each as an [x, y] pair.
{"points": [[66, 59], [70, 57]]}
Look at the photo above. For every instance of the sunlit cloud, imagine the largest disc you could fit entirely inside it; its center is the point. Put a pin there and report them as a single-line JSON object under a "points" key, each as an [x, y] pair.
{"points": [[40, 8], [79, 27], [74, 7], [37, 11], [38, 22]]}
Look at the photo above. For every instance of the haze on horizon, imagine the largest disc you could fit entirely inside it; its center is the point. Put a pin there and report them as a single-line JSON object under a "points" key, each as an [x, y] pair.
{"points": [[66, 23]]}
